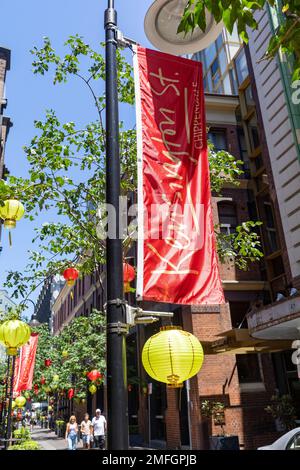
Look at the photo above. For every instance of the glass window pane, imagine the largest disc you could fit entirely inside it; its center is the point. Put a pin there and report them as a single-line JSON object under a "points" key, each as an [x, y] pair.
{"points": [[214, 67], [233, 81], [250, 103], [219, 41], [294, 444], [227, 85], [241, 67], [218, 138], [210, 54], [253, 133], [223, 61], [248, 368], [220, 89], [209, 82], [216, 79]]}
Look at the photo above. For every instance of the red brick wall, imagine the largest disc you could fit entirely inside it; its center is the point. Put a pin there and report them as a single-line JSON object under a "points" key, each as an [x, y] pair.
{"points": [[172, 420]]}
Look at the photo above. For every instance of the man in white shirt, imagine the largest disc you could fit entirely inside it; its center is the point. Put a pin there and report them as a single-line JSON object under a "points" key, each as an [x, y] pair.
{"points": [[99, 429]]}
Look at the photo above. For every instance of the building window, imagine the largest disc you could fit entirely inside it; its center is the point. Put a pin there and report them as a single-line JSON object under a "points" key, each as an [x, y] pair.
{"points": [[253, 133], [258, 161], [241, 67], [243, 149], [219, 41], [238, 311], [227, 217], [215, 67], [233, 81], [218, 137], [249, 100], [270, 228], [248, 368], [210, 54]]}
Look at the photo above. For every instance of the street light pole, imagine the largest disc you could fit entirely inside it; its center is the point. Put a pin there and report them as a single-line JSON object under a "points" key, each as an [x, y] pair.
{"points": [[11, 392], [116, 327]]}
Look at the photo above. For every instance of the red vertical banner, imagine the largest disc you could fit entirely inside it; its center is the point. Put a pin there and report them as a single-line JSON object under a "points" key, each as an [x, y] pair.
{"points": [[24, 366], [177, 259]]}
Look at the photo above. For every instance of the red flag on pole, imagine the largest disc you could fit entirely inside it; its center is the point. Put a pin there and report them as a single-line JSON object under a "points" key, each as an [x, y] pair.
{"points": [[177, 259], [24, 366]]}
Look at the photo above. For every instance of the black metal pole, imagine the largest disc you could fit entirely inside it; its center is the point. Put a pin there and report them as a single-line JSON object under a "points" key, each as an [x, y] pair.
{"points": [[116, 335], [11, 391], [6, 397]]}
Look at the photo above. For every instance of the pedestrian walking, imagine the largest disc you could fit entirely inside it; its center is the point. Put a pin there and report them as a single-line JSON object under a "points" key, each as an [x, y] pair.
{"points": [[27, 419], [86, 431], [33, 419], [71, 433], [99, 429]]}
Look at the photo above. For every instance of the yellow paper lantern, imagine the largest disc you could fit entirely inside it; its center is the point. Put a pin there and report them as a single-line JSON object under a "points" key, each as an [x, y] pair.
{"points": [[14, 333], [172, 356], [20, 401], [12, 211], [92, 389]]}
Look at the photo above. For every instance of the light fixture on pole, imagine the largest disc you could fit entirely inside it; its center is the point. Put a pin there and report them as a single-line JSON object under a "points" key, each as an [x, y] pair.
{"points": [[161, 23], [34, 323]]}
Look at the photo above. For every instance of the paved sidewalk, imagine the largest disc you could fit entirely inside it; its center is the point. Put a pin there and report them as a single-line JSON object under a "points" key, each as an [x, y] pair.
{"points": [[48, 440]]}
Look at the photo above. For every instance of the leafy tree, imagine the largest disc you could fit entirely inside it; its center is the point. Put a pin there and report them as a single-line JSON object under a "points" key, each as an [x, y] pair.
{"points": [[242, 12], [67, 174], [79, 348]]}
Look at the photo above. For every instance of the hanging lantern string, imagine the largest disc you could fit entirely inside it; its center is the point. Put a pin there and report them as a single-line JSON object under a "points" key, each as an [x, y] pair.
{"points": [[10, 238]]}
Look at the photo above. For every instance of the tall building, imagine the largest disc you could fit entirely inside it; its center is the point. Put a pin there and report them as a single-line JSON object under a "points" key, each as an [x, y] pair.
{"points": [[278, 170], [47, 297], [5, 122], [217, 61], [249, 114], [233, 372], [5, 302], [243, 367], [78, 300]]}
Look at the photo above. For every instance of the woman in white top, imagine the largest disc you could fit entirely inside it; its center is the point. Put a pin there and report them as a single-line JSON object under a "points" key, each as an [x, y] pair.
{"points": [[86, 431], [72, 433]]}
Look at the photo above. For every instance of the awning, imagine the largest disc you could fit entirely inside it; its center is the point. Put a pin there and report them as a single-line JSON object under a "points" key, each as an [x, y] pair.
{"points": [[239, 341]]}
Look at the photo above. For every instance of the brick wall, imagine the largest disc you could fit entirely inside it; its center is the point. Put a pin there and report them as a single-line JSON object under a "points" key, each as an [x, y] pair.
{"points": [[218, 381]]}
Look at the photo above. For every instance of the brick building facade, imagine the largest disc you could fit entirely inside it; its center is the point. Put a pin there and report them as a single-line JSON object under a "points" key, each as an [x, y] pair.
{"points": [[243, 382]]}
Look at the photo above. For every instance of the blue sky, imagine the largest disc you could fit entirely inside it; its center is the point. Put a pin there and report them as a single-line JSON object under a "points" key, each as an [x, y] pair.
{"points": [[23, 25]]}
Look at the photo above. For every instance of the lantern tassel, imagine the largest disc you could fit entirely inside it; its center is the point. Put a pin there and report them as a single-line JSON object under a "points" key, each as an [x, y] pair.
{"points": [[10, 238], [72, 295]]}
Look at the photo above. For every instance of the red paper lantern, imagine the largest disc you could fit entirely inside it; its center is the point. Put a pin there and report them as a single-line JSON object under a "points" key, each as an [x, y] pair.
{"points": [[43, 381], [70, 275], [128, 276], [70, 393], [48, 362], [94, 375]]}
